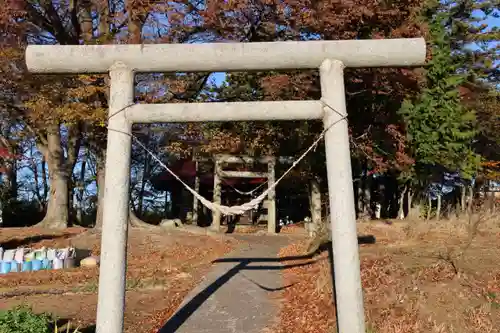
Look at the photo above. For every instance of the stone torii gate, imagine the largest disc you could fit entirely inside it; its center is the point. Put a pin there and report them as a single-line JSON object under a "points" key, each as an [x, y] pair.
{"points": [[222, 160], [121, 61]]}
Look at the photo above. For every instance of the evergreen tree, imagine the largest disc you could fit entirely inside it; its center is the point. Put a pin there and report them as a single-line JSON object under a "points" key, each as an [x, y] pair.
{"points": [[440, 128]]}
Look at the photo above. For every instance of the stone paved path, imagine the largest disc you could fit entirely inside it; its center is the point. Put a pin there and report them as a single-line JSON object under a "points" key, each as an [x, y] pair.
{"points": [[237, 295]]}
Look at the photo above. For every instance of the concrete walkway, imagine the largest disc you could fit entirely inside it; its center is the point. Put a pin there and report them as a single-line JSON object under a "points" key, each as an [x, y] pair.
{"points": [[237, 295]]}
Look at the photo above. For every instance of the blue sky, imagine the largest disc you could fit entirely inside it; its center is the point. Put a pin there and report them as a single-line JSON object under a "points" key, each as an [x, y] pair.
{"points": [[219, 77]]}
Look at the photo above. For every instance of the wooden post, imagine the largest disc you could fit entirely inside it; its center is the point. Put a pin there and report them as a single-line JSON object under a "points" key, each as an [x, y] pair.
{"points": [[216, 216], [271, 208], [195, 200]]}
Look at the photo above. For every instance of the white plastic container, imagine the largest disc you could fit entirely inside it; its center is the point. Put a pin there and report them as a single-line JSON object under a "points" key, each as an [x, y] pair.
{"points": [[57, 263], [8, 255], [20, 254], [51, 254]]}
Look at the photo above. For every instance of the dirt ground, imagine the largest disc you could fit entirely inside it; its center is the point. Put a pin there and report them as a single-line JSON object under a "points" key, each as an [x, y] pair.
{"points": [[162, 268], [418, 276]]}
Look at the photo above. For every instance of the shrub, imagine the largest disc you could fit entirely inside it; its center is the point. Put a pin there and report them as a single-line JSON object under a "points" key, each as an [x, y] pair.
{"points": [[22, 320]]}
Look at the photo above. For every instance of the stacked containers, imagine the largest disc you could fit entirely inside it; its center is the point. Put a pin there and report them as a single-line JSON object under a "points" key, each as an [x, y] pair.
{"points": [[26, 260]]}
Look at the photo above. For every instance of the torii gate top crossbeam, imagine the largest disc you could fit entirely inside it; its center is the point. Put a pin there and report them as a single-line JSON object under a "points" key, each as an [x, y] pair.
{"points": [[225, 56]]}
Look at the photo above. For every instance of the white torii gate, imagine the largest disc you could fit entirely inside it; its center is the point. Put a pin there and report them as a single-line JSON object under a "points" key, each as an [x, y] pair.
{"points": [[121, 61]]}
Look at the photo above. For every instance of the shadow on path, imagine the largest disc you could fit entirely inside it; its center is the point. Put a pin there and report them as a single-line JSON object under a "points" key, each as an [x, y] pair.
{"points": [[246, 264], [243, 264]]}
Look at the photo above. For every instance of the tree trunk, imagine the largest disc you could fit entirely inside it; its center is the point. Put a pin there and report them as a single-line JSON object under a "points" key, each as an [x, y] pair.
{"points": [[9, 176], [10, 186], [166, 207], [194, 219], [429, 207], [34, 169], [140, 203], [100, 191], [379, 197], [57, 214], [81, 188], [136, 222], [71, 200], [402, 196], [365, 196], [367, 199], [145, 175], [463, 204], [470, 203], [413, 210], [438, 206], [315, 205], [11, 180], [45, 183], [489, 197]]}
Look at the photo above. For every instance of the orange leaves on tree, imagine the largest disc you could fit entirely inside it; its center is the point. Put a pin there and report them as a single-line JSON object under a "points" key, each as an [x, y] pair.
{"points": [[491, 169], [292, 86], [66, 100]]}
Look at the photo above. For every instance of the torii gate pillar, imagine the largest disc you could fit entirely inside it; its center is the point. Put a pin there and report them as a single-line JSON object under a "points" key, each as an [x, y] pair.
{"points": [[121, 61]]}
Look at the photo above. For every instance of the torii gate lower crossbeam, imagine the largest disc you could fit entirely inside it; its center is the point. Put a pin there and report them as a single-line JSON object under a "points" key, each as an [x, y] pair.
{"points": [[122, 61]]}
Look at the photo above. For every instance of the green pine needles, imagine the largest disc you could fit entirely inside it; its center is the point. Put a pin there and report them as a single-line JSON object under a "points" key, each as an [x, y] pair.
{"points": [[440, 128]]}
